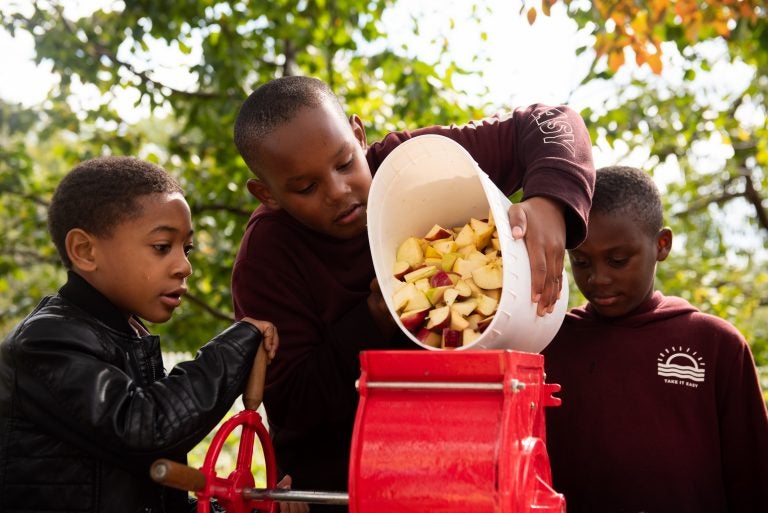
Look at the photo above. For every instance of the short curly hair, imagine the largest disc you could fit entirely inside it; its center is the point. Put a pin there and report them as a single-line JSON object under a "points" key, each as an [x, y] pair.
{"points": [[272, 104], [624, 190], [99, 194]]}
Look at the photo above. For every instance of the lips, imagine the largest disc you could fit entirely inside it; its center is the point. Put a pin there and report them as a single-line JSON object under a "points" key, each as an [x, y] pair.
{"points": [[605, 299], [173, 298], [349, 215]]}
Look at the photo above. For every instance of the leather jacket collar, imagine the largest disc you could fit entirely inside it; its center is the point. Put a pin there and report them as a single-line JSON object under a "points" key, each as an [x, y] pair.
{"points": [[83, 295]]}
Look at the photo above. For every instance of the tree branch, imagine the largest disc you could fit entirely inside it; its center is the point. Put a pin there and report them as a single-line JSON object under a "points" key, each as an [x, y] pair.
{"points": [[103, 51], [214, 312]]}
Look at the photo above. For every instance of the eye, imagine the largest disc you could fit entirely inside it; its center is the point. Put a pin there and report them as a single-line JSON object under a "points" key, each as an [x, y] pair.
{"points": [[161, 248], [188, 248], [578, 262], [306, 190], [348, 164], [617, 261]]}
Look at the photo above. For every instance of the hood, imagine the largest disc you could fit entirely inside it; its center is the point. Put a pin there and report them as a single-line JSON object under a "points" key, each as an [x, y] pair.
{"points": [[657, 308]]}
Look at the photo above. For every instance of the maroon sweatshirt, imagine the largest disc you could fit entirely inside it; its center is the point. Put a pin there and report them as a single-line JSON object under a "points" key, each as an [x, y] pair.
{"points": [[662, 413], [314, 287]]}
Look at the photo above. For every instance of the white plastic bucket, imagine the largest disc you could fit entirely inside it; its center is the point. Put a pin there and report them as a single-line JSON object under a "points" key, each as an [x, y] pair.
{"points": [[429, 180]]}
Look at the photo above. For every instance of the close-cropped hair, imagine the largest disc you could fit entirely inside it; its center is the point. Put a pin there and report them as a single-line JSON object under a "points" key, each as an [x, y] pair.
{"points": [[99, 194], [272, 104], [625, 190]]}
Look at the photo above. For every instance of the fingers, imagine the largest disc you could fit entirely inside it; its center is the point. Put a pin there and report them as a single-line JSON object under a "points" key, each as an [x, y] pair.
{"points": [[291, 507], [540, 220], [269, 337]]}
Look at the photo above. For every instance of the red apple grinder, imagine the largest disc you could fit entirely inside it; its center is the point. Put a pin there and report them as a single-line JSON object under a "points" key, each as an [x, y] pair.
{"points": [[436, 431]]}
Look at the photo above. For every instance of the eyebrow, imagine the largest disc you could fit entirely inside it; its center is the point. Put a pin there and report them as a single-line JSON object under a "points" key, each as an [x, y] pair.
{"points": [[171, 229]]}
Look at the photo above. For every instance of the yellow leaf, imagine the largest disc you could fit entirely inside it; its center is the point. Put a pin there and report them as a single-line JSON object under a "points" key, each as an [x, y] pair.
{"points": [[531, 15], [654, 61], [616, 59]]}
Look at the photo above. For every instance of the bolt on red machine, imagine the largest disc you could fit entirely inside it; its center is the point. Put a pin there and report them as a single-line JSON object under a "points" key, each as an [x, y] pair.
{"points": [[435, 431]]}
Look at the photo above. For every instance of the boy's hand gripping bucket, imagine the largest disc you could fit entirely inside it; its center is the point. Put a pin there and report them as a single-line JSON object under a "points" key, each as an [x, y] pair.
{"points": [[430, 180]]}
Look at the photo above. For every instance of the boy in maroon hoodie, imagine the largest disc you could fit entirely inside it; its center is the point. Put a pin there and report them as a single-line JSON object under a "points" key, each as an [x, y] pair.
{"points": [[304, 261], [662, 409]]}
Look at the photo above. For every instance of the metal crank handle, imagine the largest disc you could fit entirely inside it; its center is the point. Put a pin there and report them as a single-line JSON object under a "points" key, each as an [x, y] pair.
{"points": [[184, 477]]}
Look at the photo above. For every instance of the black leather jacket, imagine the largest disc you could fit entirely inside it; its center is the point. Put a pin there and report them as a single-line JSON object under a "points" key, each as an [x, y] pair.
{"points": [[86, 407]]}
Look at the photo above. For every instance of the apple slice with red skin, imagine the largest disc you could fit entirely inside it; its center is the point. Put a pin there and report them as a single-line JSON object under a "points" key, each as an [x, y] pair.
{"points": [[400, 268], [441, 279], [439, 318], [483, 324], [429, 338], [413, 320], [437, 232], [451, 338]]}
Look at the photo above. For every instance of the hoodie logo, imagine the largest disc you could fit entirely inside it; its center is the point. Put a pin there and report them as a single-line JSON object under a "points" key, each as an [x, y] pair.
{"points": [[678, 366], [557, 129]]}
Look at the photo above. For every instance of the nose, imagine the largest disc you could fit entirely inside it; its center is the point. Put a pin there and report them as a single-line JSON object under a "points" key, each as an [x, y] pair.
{"points": [[598, 275], [182, 266], [337, 188]]}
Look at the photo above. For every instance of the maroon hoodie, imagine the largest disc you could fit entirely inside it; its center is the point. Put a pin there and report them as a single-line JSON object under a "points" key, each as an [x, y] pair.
{"points": [[662, 412]]}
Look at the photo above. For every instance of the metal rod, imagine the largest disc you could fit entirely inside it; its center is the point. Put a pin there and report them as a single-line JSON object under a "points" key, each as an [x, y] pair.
{"points": [[312, 497], [434, 385]]}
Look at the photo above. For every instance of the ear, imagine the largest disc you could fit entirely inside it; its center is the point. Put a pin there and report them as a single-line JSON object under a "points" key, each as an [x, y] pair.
{"points": [[80, 246], [261, 192], [663, 244], [359, 130]]}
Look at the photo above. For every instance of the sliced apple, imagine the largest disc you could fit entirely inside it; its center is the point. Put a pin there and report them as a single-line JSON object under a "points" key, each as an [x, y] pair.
{"points": [[465, 237], [450, 295], [402, 296], [468, 336], [473, 320], [431, 252], [493, 293], [421, 272], [422, 284], [445, 246], [483, 324], [435, 294], [439, 318], [434, 262], [464, 308], [476, 256], [482, 232], [451, 338], [458, 322], [465, 267], [437, 232], [486, 306], [448, 260], [410, 251], [399, 268], [429, 338], [413, 319], [496, 244], [463, 288], [476, 291], [441, 279], [489, 276]]}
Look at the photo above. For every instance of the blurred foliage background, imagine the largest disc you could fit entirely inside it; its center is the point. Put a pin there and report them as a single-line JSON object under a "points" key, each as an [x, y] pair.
{"points": [[676, 87]]}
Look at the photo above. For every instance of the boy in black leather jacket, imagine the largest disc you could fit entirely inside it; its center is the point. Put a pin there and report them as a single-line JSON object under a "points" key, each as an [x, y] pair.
{"points": [[85, 405]]}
